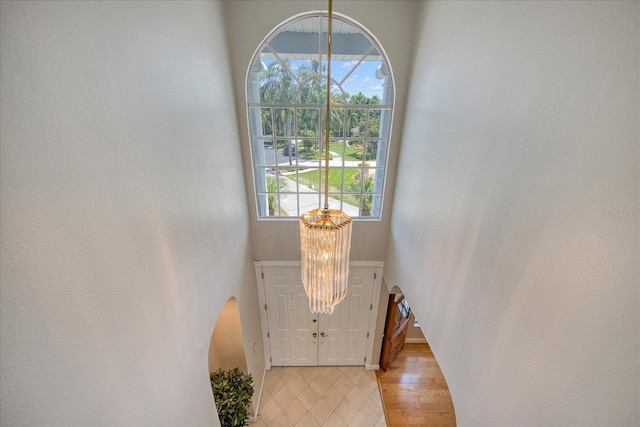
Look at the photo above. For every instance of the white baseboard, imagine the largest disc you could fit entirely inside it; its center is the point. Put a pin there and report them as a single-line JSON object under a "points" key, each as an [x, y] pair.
{"points": [[254, 416], [415, 340], [372, 367]]}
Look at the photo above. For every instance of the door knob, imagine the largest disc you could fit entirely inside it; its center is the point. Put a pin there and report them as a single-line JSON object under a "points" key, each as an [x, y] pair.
{"points": [[323, 335], [315, 335]]}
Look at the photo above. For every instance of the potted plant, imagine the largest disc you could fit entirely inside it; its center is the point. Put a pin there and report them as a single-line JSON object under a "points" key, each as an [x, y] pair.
{"points": [[232, 392]]}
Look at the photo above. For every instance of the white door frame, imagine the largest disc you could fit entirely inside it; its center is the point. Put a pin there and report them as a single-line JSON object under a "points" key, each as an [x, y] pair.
{"points": [[373, 313]]}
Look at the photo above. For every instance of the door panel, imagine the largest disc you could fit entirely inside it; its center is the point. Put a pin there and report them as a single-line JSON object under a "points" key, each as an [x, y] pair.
{"points": [[341, 336], [345, 330], [395, 330], [290, 323]]}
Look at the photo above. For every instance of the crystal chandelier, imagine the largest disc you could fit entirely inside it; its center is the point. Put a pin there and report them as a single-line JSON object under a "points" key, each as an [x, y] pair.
{"points": [[325, 234]]}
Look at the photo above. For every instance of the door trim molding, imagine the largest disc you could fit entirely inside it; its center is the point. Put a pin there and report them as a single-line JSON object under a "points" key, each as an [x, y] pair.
{"points": [[266, 345]]}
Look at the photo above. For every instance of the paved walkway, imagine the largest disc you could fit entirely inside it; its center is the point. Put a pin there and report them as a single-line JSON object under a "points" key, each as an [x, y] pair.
{"points": [[309, 202]]}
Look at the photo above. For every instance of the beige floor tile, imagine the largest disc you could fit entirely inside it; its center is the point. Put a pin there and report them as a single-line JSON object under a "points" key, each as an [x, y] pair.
{"points": [[265, 397], [376, 399], [308, 421], [297, 384], [284, 397], [354, 373], [357, 397], [330, 373], [287, 374], [295, 411], [333, 397], [273, 383], [371, 374], [367, 384], [269, 411], [320, 396], [360, 421], [320, 411], [309, 373], [280, 421], [308, 397], [320, 385], [334, 421], [371, 410], [346, 411], [259, 423], [343, 384]]}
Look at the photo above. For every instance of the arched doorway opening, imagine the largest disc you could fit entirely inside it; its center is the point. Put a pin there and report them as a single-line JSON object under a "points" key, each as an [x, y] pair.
{"points": [[226, 348], [410, 378]]}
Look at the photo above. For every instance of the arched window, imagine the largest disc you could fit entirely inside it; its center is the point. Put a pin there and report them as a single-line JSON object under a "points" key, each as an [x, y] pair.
{"points": [[286, 98]]}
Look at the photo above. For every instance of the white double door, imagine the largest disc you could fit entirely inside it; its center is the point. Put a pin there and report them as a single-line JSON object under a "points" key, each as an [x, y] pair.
{"points": [[298, 337]]}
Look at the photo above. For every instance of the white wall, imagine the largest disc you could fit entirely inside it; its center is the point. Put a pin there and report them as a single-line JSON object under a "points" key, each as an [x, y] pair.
{"points": [[248, 23], [516, 218], [124, 224]]}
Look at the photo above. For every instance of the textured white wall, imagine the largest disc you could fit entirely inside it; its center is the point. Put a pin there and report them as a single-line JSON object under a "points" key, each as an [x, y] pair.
{"points": [[124, 222], [516, 218]]}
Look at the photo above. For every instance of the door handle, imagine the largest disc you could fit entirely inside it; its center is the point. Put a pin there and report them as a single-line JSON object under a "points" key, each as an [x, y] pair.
{"points": [[323, 335], [315, 335]]}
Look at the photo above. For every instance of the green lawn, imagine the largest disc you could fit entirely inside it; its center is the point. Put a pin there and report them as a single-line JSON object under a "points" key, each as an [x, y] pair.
{"points": [[336, 147], [310, 178]]}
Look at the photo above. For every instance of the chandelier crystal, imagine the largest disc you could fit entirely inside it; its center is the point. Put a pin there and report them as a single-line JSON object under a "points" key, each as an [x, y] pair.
{"points": [[325, 242], [325, 234]]}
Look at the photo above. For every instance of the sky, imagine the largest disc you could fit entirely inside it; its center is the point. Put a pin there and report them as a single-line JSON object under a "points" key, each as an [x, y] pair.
{"points": [[363, 79]]}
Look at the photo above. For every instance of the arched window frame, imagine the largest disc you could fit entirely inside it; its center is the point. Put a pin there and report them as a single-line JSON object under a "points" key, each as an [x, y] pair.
{"points": [[280, 190]]}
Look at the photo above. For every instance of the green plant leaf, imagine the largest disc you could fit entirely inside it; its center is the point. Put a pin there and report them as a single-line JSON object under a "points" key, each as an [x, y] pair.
{"points": [[232, 392]]}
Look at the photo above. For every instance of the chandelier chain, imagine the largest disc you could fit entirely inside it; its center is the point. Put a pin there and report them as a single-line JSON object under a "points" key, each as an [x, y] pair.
{"points": [[328, 113]]}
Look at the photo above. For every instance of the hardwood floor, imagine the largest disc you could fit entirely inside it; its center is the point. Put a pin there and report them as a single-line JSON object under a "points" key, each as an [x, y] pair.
{"points": [[414, 391]]}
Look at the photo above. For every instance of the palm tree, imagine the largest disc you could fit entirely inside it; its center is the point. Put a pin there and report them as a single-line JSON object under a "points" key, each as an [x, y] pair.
{"points": [[279, 87], [311, 92], [279, 83], [274, 186], [362, 193], [306, 86]]}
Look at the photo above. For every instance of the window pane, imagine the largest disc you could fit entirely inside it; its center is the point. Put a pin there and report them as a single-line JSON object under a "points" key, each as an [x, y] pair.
{"points": [[369, 180], [283, 121], [366, 205], [308, 122], [337, 122], [369, 87], [370, 152], [264, 152], [312, 88], [266, 121], [309, 179], [273, 204], [335, 179], [352, 183], [373, 125], [356, 122]]}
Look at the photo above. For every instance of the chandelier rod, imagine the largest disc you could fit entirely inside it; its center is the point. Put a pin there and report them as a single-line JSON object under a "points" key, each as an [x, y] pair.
{"points": [[328, 113]]}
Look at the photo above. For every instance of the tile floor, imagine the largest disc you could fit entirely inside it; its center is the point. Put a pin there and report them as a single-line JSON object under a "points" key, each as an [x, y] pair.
{"points": [[320, 396]]}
